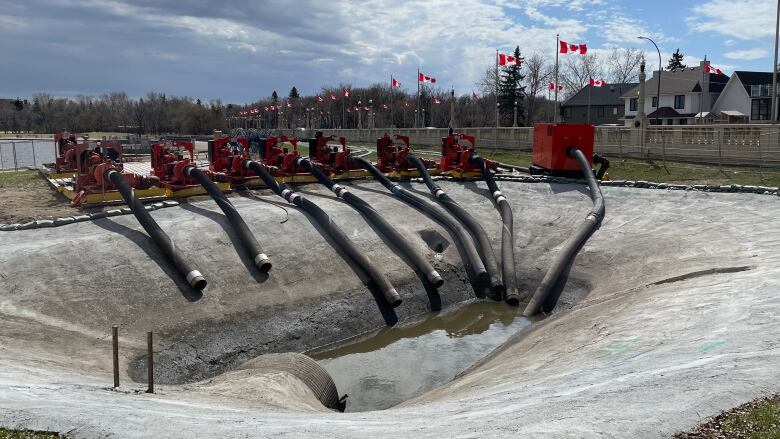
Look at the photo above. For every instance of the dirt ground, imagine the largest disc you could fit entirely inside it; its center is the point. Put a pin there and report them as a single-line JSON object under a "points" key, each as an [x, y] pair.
{"points": [[27, 196], [756, 419]]}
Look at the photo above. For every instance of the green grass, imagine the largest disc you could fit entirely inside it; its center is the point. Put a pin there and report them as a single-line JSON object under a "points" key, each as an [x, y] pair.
{"points": [[26, 434], [92, 135], [760, 422], [673, 172], [19, 180]]}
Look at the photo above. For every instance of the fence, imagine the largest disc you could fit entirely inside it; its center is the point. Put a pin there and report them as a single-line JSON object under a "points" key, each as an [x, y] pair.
{"points": [[16, 154], [753, 145]]}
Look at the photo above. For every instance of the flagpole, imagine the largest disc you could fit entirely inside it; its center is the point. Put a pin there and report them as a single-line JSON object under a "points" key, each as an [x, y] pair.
{"points": [[417, 113], [590, 86], [497, 121], [557, 51], [392, 121]]}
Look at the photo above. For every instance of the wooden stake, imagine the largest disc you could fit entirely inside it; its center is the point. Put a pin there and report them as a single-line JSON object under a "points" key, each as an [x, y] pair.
{"points": [[115, 346], [150, 361]]}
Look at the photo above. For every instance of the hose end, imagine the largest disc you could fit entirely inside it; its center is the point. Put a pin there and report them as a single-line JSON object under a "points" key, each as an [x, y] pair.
{"points": [[263, 263], [497, 289], [393, 298], [434, 279], [196, 280], [512, 298]]}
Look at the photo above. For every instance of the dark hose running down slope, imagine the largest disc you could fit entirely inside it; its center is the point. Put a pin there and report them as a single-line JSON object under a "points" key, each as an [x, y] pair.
{"points": [[376, 276], [248, 239], [507, 234], [420, 264], [163, 241], [471, 260], [476, 230], [543, 300]]}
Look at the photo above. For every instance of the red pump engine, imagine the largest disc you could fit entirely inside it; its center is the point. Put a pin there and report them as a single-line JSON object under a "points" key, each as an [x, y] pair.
{"points": [[329, 157], [281, 160], [91, 163], [169, 160], [64, 143], [391, 157], [456, 157], [228, 155]]}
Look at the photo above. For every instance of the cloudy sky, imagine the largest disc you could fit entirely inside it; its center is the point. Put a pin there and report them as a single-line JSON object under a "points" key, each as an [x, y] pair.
{"points": [[241, 50]]}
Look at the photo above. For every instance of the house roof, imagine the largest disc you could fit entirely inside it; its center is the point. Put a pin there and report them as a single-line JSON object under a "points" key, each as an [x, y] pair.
{"points": [[668, 112], [609, 94], [749, 79], [679, 81]]}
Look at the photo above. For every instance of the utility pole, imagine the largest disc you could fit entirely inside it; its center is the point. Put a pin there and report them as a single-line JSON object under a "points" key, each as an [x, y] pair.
{"points": [[774, 66]]}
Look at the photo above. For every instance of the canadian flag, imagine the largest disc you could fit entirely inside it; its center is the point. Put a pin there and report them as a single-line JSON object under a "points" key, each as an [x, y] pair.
{"points": [[346, 93], [332, 97], [597, 82], [365, 108], [712, 69], [552, 86], [394, 82], [266, 108], [384, 106], [319, 99], [255, 110], [349, 110], [406, 104], [474, 95], [582, 49], [506, 60], [436, 101], [289, 105], [422, 78]]}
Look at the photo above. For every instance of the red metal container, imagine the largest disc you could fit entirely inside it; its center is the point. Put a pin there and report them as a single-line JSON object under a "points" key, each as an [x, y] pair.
{"points": [[551, 141]]}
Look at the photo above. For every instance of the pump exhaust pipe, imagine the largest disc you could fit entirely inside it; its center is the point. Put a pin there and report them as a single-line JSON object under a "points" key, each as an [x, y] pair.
{"points": [[419, 263], [543, 300], [248, 240], [477, 232], [508, 275], [376, 276], [471, 260], [163, 241]]}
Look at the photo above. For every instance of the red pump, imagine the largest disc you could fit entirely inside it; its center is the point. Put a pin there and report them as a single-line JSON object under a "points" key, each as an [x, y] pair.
{"points": [[456, 158], [281, 160], [391, 157], [328, 158], [169, 160], [64, 144]]}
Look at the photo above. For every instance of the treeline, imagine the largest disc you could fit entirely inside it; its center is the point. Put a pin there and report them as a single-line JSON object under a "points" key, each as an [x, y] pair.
{"points": [[523, 91]]}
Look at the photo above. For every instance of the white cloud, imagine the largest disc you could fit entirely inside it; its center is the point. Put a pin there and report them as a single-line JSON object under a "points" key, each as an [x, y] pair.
{"points": [[741, 19], [747, 55]]}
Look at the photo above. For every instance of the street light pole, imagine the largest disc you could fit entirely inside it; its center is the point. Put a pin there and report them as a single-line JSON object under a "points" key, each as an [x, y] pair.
{"points": [[515, 123], [774, 66], [658, 95]]}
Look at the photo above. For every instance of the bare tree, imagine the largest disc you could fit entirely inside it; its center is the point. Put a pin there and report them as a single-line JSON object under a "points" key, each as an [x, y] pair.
{"points": [[577, 71], [537, 76], [623, 65]]}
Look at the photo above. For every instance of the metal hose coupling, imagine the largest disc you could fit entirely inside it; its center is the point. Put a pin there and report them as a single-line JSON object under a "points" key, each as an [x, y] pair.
{"points": [[196, 280], [263, 262]]}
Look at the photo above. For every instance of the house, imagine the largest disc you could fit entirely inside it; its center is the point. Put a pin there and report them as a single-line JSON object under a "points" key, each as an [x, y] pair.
{"points": [[684, 93], [749, 93], [606, 104]]}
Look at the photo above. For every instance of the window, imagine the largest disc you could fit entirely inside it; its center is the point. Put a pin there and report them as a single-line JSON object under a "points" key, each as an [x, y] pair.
{"points": [[760, 109], [655, 101], [683, 121], [679, 102], [601, 112], [614, 111], [670, 121], [766, 90], [755, 91], [633, 104]]}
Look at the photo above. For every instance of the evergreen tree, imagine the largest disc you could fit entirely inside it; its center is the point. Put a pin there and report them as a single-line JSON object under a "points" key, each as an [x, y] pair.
{"points": [[511, 90], [676, 61], [274, 98], [294, 93]]}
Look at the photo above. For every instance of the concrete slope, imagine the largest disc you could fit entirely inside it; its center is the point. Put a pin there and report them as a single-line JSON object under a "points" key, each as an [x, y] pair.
{"points": [[681, 321]]}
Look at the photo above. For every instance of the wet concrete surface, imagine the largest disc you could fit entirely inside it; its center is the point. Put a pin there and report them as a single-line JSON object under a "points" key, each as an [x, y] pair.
{"points": [[674, 328], [389, 366]]}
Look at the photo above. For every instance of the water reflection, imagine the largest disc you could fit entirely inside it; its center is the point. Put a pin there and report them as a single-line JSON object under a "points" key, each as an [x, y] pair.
{"points": [[389, 366]]}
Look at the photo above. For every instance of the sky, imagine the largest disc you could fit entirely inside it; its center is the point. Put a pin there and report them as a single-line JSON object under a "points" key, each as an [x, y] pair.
{"points": [[241, 50]]}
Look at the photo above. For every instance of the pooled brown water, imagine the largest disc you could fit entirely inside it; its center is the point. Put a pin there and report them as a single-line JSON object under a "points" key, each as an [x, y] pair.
{"points": [[395, 364]]}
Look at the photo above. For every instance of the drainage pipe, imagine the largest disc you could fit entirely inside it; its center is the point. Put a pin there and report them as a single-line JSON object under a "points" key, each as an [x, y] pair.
{"points": [[477, 232], [245, 235], [375, 275], [543, 300], [471, 260], [420, 264], [507, 234], [163, 241]]}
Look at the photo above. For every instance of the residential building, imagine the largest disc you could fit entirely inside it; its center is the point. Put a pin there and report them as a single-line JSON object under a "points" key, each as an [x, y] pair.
{"points": [[684, 93], [749, 93], [605, 103]]}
